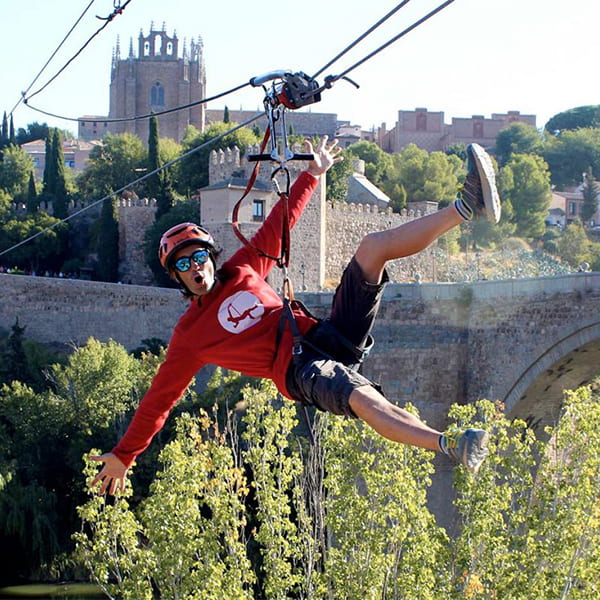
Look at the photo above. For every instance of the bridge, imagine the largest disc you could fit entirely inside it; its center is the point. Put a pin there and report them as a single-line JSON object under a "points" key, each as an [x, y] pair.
{"points": [[518, 341], [522, 342]]}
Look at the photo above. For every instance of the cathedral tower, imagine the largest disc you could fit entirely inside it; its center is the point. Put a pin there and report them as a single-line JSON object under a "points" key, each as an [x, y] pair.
{"points": [[155, 80]]}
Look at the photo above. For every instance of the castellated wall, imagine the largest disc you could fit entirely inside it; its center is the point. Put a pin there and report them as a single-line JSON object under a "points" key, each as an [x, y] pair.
{"points": [[135, 216], [347, 224], [323, 241]]}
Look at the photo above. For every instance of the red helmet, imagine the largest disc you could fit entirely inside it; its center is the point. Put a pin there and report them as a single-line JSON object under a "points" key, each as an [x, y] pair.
{"points": [[180, 236]]}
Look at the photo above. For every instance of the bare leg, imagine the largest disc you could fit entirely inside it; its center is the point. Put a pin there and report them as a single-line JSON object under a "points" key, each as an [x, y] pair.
{"points": [[409, 238], [391, 421]]}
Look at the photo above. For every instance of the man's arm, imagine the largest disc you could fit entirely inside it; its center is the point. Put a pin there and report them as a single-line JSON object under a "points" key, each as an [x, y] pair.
{"points": [[168, 385]]}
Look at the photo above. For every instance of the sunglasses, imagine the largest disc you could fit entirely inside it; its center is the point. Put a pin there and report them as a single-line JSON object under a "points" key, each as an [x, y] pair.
{"points": [[184, 263]]}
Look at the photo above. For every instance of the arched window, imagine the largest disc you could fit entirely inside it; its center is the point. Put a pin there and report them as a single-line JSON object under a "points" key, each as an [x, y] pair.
{"points": [[146, 49], [157, 95], [157, 45], [170, 48]]}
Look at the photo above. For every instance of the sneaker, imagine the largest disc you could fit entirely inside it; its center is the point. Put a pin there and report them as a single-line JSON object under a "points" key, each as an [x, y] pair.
{"points": [[479, 197], [467, 447]]}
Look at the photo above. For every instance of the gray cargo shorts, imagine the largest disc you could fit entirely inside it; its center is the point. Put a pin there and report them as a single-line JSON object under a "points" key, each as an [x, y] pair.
{"points": [[326, 372]]}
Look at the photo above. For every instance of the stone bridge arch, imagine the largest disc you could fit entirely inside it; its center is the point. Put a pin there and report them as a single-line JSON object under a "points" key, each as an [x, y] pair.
{"points": [[569, 362]]}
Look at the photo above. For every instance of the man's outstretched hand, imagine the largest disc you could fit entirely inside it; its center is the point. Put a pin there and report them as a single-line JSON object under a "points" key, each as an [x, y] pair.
{"points": [[112, 476], [325, 156]]}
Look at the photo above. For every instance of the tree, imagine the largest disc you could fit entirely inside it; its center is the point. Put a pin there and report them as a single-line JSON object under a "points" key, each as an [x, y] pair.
{"points": [[112, 165], [32, 202], [571, 153], [377, 162], [15, 170], [108, 242], [43, 252], [337, 178], [58, 186], [226, 118], [11, 134], [193, 171], [159, 185], [591, 190], [34, 131], [573, 246], [14, 360], [425, 176], [4, 137], [517, 138], [574, 118], [525, 182]]}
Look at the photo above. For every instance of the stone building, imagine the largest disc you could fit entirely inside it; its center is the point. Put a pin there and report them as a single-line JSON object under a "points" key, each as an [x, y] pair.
{"points": [[156, 79], [428, 131]]}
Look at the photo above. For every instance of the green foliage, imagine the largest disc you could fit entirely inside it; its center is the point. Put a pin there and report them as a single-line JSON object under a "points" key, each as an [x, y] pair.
{"points": [[572, 153], [517, 138], [43, 435], [591, 190], [337, 178], [57, 187], [377, 162], [573, 246], [426, 177], [45, 251], [33, 131], [193, 171], [112, 165], [524, 182], [574, 118], [15, 169], [108, 242]]}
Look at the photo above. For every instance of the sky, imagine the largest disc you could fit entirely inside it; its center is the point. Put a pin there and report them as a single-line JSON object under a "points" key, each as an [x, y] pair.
{"points": [[476, 57]]}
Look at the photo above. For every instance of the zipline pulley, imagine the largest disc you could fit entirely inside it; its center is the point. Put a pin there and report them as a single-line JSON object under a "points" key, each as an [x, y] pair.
{"points": [[287, 90]]}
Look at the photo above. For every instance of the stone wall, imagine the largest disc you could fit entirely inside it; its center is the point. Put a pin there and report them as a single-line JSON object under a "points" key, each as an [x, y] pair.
{"points": [[135, 216]]}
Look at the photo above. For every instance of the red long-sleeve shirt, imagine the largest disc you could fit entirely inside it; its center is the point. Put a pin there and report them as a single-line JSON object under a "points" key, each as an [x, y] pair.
{"points": [[234, 326]]}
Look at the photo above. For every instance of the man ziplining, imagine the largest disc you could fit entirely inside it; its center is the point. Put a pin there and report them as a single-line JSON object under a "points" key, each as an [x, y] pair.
{"points": [[234, 320]]}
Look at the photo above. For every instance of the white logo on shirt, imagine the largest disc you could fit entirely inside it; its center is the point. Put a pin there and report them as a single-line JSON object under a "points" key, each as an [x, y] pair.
{"points": [[240, 312]]}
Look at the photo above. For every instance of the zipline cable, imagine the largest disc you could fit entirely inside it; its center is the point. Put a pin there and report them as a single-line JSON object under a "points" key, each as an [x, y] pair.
{"points": [[391, 41], [361, 37], [146, 116], [139, 180], [24, 93], [118, 10]]}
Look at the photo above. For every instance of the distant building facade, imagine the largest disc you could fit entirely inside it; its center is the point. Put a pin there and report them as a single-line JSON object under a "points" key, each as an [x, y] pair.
{"points": [[156, 79], [308, 124], [76, 153], [428, 130]]}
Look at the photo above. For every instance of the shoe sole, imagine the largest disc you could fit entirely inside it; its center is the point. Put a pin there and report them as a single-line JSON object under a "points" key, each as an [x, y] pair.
{"points": [[482, 444], [485, 168]]}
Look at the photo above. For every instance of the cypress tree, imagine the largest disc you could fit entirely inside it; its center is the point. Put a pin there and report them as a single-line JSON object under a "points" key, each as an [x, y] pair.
{"points": [[12, 139], [108, 242], [48, 180], [4, 132], [159, 185], [153, 183], [14, 363], [60, 200], [226, 115], [590, 197], [32, 199]]}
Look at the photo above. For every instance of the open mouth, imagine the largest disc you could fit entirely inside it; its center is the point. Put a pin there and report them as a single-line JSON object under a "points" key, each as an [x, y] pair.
{"points": [[199, 279]]}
